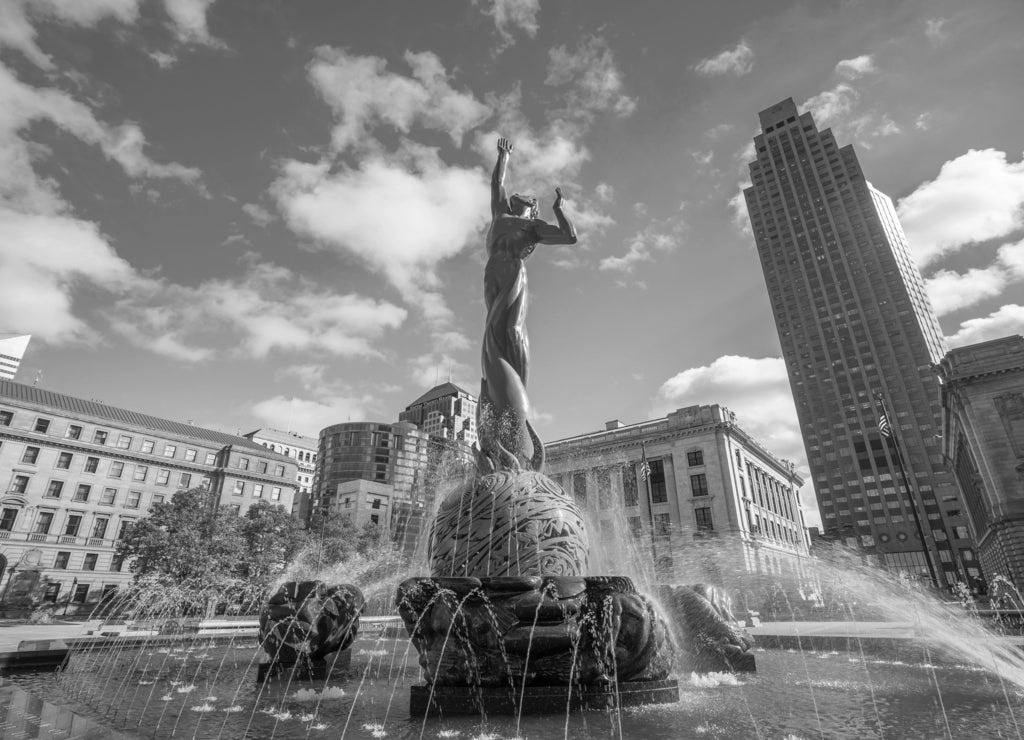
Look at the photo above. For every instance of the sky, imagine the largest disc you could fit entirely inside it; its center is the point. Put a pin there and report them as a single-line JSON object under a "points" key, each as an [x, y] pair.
{"points": [[247, 213]]}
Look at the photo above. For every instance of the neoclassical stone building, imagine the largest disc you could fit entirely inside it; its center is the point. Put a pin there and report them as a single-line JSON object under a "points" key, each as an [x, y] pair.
{"points": [[711, 487], [983, 438], [74, 474]]}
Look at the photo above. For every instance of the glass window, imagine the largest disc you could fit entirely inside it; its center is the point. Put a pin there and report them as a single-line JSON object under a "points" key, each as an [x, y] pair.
{"points": [[7, 518], [190, 455], [43, 522], [82, 492], [169, 450], [54, 489], [91, 464], [279, 471], [99, 437], [122, 529], [141, 471], [99, 528], [64, 460], [6, 417], [61, 562], [116, 469], [695, 457], [702, 517], [162, 476], [261, 467], [42, 425], [257, 490], [629, 486], [51, 593], [108, 497], [19, 484], [662, 524], [30, 455], [158, 498], [89, 564], [72, 524], [659, 493], [116, 562], [134, 497], [699, 484], [243, 463], [74, 432], [124, 442], [81, 592], [275, 493], [211, 458], [184, 480], [239, 488], [148, 445]]}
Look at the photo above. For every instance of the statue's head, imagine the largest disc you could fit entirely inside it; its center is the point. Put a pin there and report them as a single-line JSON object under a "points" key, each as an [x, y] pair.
{"points": [[522, 205]]}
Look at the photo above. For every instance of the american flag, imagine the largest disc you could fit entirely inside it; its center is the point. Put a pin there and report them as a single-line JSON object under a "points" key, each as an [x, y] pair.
{"points": [[883, 425], [645, 467]]}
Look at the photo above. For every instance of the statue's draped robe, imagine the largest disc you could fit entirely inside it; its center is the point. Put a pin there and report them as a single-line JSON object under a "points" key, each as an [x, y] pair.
{"points": [[506, 436]]}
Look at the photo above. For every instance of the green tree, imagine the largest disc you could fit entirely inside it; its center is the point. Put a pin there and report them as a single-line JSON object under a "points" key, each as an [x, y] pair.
{"points": [[188, 540], [273, 538]]}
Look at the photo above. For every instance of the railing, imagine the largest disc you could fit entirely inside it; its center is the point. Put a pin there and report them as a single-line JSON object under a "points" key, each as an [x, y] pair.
{"points": [[67, 539], [4, 534], [63, 539], [96, 542], [37, 537]]}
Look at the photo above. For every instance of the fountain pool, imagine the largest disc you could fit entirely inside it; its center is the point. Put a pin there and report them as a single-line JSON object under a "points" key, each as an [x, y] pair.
{"points": [[199, 690]]}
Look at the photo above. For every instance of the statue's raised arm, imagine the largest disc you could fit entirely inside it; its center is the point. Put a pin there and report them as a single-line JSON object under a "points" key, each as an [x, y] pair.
{"points": [[499, 201]]}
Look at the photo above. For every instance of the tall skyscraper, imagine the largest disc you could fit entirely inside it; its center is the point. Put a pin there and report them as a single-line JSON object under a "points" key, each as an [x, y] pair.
{"points": [[854, 321], [12, 349]]}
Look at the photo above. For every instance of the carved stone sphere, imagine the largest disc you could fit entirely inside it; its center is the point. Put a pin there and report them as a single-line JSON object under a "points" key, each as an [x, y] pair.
{"points": [[509, 524]]}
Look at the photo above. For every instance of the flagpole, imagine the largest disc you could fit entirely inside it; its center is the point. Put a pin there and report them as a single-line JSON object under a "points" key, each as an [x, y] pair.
{"points": [[898, 456], [645, 473]]}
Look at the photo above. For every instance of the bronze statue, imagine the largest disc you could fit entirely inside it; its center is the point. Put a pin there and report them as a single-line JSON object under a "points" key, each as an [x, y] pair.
{"points": [[507, 439]]}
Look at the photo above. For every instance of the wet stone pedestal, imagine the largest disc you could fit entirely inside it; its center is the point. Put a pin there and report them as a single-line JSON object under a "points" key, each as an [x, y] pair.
{"points": [[535, 644], [305, 621]]}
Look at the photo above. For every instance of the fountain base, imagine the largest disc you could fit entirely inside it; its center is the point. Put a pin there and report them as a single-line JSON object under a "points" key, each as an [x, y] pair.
{"points": [[455, 700]]}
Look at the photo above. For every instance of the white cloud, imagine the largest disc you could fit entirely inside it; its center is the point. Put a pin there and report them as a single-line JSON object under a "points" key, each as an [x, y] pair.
{"points": [[643, 246], [18, 32], [44, 260], [756, 390], [260, 215], [362, 93], [22, 105], [737, 61], [432, 368], [1004, 322], [604, 192], [831, 105], [308, 416], [935, 29], [923, 121], [266, 309], [976, 197], [189, 18], [950, 291], [512, 14], [594, 80], [856, 67], [738, 211], [716, 132], [401, 219]]}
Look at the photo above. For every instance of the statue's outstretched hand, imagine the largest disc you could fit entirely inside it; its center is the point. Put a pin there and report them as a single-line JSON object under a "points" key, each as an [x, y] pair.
{"points": [[558, 198], [504, 145]]}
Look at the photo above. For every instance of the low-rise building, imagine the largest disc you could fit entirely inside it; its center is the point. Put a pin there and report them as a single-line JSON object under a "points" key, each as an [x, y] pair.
{"points": [[74, 474], [705, 480], [983, 440]]}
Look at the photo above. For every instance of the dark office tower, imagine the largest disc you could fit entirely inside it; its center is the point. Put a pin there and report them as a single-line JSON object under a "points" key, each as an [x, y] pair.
{"points": [[854, 320]]}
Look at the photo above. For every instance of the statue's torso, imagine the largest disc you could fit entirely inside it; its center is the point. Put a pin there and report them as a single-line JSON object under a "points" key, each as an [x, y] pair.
{"points": [[511, 238]]}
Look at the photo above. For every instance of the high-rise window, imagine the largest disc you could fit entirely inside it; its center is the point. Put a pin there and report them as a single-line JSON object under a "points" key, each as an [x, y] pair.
{"points": [[82, 492], [74, 431], [695, 457], [91, 464], [64, 461], [30, 456]]}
